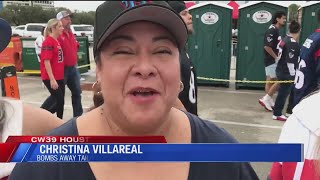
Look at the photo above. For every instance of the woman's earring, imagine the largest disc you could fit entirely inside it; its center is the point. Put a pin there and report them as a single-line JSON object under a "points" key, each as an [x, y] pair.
{"points": [[181, 86], [96, 87]]}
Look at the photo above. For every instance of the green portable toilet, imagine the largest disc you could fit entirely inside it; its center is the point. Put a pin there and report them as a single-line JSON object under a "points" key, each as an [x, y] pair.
{"points": [[83, 54], [29, 57], [30, 60], [308, 19], [210, 44], [254, 20]]}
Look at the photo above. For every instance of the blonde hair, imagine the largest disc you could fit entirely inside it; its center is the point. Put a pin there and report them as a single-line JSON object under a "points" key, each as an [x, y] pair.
{"points": [[52, 23]]}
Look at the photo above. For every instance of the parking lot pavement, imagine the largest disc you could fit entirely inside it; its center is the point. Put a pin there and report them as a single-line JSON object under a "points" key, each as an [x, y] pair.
{"points": [[240, 114]]}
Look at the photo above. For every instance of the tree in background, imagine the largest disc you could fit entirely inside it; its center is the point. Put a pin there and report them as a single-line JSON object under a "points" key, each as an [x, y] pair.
{"points": [[20, 15], [83, 18], [293, 12]]}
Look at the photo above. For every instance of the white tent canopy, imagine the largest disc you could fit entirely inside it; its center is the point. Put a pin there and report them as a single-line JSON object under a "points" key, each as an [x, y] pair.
{"points": [[211, 2]]}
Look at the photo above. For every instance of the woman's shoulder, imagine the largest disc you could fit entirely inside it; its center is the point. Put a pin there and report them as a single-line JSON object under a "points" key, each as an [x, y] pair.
{"points": [[205, 131], [48, 40], [306, 110], [69, 128]]}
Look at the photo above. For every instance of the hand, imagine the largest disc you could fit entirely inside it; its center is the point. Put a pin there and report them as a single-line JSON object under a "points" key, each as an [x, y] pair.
{"points": [[54, 85]]}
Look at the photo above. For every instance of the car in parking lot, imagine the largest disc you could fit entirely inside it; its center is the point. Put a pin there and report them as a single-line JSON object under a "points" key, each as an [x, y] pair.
{"points": [[29, 30], [83, 30], [18, 30]]}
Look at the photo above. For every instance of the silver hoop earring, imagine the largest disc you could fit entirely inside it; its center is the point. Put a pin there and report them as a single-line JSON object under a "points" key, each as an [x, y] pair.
{"points": [[94, 87], [181, 86]]}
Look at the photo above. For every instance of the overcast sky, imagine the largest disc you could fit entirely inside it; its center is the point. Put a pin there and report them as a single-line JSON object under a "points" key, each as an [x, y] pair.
{"points": [[92, 5], [79, 5]]}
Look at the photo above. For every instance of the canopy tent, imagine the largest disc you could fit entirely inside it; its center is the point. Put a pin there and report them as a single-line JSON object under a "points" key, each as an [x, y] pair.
{"points": [[189, 4], [235, 12]]}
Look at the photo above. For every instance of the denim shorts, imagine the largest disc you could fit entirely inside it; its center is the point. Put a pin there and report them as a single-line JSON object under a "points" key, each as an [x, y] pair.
{"points": [[271, 70]]}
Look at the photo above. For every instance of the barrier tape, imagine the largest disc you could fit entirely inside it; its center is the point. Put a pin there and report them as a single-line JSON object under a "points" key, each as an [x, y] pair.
{"points": [[242, 81], [199, 78], [38, 71]]}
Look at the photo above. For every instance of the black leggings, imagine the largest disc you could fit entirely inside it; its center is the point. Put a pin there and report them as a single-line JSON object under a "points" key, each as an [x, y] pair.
{"points": [[55, 102]]}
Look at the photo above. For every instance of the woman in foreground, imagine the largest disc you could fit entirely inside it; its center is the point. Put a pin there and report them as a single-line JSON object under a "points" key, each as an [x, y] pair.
{"points": [[137, 54], [303, 126]]}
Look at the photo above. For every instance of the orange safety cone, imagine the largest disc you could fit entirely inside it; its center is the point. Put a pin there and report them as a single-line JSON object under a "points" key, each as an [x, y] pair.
{"points": [[9, 82]]}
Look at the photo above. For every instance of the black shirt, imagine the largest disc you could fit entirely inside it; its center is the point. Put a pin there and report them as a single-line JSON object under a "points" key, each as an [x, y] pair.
{"points": [[271, 39], [188, 96], [289, 51], [202, 131]]}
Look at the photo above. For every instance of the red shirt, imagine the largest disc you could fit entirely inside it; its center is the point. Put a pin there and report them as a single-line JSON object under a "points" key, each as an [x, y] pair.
{"points": [[52, 51], [69, 46]]}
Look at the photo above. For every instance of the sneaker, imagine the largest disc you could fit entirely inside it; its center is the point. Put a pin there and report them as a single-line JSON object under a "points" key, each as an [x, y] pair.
{"points": [[288, 114], [271, 102], [266, 104], [279, 118]]}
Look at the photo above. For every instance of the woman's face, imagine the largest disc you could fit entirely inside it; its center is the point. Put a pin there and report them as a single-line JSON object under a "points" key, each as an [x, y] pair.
{"points": [[139, 75], [58, 29]]}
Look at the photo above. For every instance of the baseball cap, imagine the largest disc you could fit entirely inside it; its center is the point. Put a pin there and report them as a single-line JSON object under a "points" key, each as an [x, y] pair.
{"points": [[63, 14], [177, 6], [5, 34], [111, 15]]}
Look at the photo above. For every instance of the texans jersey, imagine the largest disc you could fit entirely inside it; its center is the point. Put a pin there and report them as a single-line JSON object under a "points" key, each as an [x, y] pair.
{"points": [[188, 96], [271, 39], [289, 51], [308, 73]]}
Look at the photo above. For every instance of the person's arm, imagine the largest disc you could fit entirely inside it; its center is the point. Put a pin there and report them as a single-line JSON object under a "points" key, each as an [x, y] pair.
{"points": [[48, 69], [38, 45], [47, 54], [37, 121], [270, 51], [270, 38], [53, 82], [76, 41]]}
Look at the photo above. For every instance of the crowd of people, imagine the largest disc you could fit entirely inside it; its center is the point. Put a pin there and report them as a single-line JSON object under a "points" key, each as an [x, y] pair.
{"points": [[284, 62], [146, 85]]}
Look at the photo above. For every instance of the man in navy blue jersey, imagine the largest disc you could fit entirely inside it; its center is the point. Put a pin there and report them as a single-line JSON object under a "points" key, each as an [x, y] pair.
{"points": [[188, 96], [307, 77], [289, 51], [271, 50]]}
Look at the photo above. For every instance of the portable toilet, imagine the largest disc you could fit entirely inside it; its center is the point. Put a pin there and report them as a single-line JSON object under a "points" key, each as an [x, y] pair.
{"points": [[308, 19], [210, 44], [254, 20]]}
